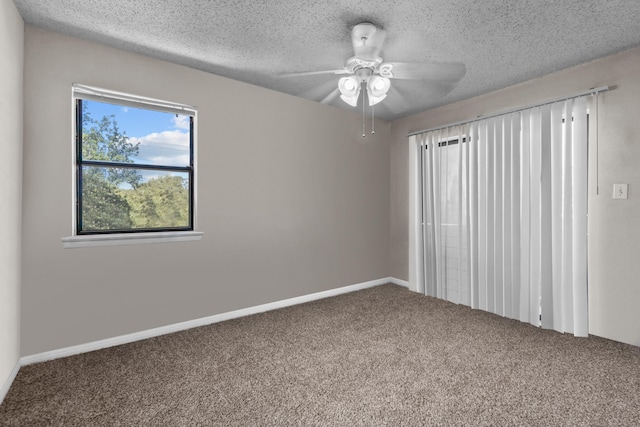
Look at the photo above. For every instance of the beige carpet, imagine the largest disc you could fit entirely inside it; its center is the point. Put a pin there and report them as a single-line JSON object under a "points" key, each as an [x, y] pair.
{"points": [[384, 356]]}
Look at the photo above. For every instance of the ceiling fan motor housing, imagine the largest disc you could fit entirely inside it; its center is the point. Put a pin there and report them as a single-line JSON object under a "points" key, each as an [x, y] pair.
{"points": [[356, 66], [363, 31]]}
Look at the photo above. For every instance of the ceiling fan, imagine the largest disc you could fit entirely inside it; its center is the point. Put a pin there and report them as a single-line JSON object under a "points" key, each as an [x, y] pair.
{"points": [[367, 72]]}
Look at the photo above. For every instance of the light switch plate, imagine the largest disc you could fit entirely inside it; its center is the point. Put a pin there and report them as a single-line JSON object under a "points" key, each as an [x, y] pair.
{"points": [[620, 191]]}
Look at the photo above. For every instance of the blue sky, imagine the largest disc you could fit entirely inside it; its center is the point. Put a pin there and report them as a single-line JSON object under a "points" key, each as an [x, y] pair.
{"points": [[163, 137]]}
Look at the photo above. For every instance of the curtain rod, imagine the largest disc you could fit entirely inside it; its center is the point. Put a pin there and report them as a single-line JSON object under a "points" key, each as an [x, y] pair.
{"points": [[591, 91]]}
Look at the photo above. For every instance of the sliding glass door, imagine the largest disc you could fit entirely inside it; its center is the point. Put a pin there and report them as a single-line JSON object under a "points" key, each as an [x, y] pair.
{"points": [[503, 214]]}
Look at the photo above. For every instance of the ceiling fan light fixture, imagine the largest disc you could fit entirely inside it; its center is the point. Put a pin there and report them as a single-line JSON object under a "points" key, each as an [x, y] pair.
{"points": [[351, 100], [349, 89], [373, 100], [380, 84], [377, 88]]}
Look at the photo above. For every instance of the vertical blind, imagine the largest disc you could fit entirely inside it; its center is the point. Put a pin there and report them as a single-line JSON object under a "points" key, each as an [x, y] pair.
{"points": [[504, 214]]}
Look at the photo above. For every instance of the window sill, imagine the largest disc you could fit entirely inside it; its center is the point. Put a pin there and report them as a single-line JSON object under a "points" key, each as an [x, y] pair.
{"points": [[85, 241]]}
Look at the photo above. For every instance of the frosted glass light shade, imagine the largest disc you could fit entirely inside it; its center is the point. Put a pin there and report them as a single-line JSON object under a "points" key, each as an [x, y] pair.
{"points": [[349, 89], [377, 88]]}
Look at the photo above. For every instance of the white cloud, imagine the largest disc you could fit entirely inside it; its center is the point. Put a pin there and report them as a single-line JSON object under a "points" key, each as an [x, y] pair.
{"points": [[181, 122], [170, 147]]}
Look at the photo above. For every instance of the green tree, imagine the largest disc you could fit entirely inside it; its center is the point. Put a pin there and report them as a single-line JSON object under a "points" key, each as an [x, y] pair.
{"points": [[161, 202], [103, 207]]}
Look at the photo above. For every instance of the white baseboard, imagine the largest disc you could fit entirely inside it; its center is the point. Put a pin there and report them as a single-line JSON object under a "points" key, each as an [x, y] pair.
{"points": [[150, 333], [399, 282], [7, 384]]}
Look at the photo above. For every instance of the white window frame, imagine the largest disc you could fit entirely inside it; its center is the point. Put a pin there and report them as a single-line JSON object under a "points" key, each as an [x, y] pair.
{"points": [[114, 239]]}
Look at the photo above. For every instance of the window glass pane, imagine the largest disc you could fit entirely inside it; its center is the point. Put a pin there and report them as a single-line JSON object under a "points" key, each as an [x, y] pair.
{"points": [[123, 134], [157, 199]]}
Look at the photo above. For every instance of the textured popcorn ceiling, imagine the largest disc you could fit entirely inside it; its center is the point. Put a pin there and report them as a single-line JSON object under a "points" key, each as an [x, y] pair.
{"points": [[501, 42]]}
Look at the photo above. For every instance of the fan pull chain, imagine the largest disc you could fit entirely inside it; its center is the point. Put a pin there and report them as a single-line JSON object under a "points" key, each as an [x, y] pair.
{"points": [[363, 133], [373, 122]]}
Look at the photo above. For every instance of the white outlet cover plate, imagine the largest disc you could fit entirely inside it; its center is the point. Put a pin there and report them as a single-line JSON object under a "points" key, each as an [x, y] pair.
{"points": [[620, 191]]}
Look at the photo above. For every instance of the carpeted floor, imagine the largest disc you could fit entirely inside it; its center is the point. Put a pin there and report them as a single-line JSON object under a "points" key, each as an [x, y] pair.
{"points": [[384, 356]]}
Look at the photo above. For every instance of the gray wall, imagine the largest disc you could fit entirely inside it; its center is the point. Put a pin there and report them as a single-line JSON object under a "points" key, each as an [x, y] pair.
{"points": [[11, 61], [291, 201], [614, 225]]}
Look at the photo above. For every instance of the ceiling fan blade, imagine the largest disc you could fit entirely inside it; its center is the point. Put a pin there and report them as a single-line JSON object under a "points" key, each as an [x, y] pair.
{"points": [[329, 98], [315, 73], [396, 102], [367, 41], [446, 72], [319, 92]]}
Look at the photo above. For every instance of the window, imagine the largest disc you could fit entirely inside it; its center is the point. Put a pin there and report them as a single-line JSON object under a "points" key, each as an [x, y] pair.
{"points": [[134, 164]]}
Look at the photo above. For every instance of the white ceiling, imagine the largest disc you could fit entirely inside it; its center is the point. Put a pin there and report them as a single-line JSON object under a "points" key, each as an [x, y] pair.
{"points": [[501, 42]]}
